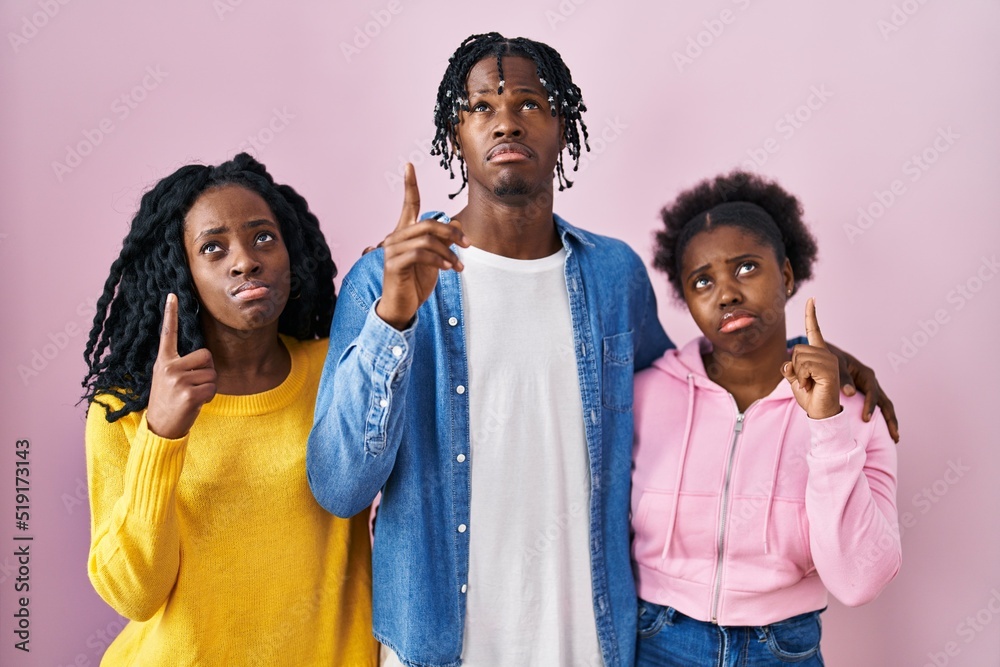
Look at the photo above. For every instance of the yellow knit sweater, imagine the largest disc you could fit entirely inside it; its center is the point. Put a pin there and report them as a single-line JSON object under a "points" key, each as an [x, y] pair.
{"points": [[213, 544]]}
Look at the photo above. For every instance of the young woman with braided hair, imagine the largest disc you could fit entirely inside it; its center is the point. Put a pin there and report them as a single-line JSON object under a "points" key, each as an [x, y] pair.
{"points": [[204, 531]]}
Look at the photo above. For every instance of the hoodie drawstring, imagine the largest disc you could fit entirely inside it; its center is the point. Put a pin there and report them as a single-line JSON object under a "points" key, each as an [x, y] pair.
{"points": [[680, 467], [774, 471]]}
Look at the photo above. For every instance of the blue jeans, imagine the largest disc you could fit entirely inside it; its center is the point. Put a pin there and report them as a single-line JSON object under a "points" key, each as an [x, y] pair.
{"points": [[668, 638]]}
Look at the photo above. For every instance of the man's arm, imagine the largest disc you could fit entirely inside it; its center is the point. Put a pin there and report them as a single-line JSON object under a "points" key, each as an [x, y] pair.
{"points": [[357, 425], [855, 376], [651, 340]]}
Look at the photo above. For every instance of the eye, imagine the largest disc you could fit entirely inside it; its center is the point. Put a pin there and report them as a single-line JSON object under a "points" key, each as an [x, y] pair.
{"points": [[482, 106], [701, 282], [745, 268], [531, 104], [264, 237], [210, 248]]}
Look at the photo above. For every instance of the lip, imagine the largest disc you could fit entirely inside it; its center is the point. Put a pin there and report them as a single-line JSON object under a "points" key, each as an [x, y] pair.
{"points": [[250, 290], [735, 320], [510, 151]]}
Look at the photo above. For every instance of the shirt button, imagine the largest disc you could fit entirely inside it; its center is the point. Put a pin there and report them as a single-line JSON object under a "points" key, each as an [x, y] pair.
{"points": [[461, 527], [460, 458], [384, 403], [464, 588], [452, 321], [460, 389], [397, 351]]}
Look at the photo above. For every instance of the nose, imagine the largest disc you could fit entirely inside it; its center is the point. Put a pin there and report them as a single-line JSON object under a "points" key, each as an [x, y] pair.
{"points": [[245, 262], [507, 123], [729, 293]]}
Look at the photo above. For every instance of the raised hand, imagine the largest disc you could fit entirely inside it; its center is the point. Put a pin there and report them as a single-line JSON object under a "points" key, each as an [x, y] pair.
{"points": [[814, 372], [414, 253], [181, 385]]}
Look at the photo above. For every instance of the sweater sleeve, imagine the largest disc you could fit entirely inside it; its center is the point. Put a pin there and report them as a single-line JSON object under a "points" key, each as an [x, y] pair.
{"points": [[132, 475], [851, 506]]}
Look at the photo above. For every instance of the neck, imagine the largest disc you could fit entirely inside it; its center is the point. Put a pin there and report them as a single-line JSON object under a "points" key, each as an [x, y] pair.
{"points": [[519, 227], [748, 376], [246, 362]]}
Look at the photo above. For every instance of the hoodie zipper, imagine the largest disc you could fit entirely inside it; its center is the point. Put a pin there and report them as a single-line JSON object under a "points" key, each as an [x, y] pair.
{"points": [[737, 429]]}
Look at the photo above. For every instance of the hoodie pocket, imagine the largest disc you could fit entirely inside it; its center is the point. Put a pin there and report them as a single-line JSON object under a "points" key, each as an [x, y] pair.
{"points": [[691, 552], [616, 390]]}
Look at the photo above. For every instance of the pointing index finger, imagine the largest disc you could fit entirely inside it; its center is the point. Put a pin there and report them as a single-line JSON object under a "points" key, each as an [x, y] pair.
{"points": [[813, 334], [411, 198], [168, 332]]}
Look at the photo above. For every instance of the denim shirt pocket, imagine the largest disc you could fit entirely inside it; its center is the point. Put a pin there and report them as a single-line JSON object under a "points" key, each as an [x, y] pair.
{"points": [[616, 390]]}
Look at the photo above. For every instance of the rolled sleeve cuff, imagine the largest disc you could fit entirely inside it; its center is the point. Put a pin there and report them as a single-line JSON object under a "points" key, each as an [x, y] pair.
{"points": [[388, 351], [386, 347]]}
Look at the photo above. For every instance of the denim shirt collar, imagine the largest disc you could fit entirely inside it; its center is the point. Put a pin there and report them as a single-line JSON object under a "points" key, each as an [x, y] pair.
{"points": [[565, 229]]}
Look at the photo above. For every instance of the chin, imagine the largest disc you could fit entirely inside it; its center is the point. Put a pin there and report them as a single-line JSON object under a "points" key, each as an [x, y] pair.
{"points": [[511, 187], [263, 315], [743, 342]]}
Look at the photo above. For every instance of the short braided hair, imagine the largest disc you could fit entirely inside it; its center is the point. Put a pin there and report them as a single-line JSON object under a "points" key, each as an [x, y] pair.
{"points": [[564, 97]]}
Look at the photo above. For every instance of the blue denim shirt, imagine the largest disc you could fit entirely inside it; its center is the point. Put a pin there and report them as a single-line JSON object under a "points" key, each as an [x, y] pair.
{"points": [[393, 415]]}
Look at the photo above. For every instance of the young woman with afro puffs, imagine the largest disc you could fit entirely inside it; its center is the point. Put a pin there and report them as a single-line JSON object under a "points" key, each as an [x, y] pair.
{"points": [[775, 490], [203, 366]]}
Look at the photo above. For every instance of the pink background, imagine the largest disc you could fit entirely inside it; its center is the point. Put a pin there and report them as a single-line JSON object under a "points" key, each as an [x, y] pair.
{"points": [[338, 126]]}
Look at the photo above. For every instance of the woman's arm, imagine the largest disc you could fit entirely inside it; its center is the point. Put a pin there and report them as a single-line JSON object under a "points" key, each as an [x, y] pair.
{"points": [[851, 490], [851, 506], [132, 475]]}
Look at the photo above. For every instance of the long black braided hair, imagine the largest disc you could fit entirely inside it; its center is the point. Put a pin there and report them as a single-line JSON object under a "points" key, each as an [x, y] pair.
{"points": [[564, 97], [124, 338]]}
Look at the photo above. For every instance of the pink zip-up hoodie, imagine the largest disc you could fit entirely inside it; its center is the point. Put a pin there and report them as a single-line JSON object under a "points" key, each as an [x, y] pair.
{"points": [[749, 519]]}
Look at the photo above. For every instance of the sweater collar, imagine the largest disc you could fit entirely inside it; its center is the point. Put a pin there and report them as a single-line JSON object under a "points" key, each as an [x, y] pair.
{"points": [[229, 405]]}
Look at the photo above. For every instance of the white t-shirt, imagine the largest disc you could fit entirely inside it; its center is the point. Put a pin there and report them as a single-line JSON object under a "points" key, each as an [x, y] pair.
{"points": [[529, 592], [530, 597]]}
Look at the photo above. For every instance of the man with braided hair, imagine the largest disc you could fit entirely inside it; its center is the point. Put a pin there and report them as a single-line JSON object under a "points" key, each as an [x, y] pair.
{"points": [[480, 375]]}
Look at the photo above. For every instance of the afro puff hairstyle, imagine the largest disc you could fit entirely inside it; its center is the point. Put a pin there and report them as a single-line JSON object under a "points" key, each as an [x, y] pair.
{"points": [[687, 215], [124, 339]]}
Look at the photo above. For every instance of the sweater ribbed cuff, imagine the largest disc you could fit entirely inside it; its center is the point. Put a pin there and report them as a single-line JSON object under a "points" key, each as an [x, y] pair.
{"points": [[151, 475]]}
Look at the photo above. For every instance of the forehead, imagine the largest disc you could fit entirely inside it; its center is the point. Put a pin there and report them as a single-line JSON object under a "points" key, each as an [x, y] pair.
{"points": [[227, 204], [518, 71], [722, 243]]}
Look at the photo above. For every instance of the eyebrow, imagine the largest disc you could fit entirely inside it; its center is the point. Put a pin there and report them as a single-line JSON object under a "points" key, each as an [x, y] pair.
{"points": [[733, 260], [519, 89], [250, 224]]}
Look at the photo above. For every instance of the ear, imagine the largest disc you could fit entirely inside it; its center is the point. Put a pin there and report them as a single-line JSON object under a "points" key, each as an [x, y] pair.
{"points": [[789, 277]]}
